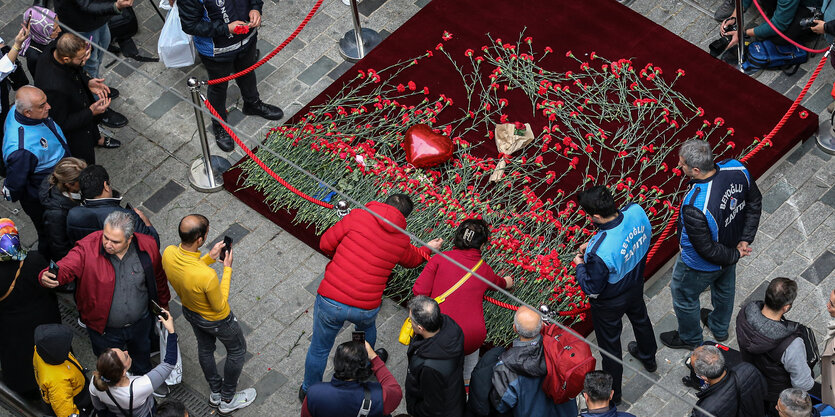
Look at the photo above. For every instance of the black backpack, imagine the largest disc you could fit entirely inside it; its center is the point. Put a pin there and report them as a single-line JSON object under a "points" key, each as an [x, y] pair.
{"points": [[813, 355]]}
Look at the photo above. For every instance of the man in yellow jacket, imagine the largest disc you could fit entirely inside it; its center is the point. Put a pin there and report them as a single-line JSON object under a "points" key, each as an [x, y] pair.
{"points": [[206, 308], [58, 373]]}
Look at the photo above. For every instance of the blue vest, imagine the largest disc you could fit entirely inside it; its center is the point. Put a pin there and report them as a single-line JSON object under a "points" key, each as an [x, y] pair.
{"points": [[623, 247], [339, 398], [44, 140], [722, 199], [227, 11]]}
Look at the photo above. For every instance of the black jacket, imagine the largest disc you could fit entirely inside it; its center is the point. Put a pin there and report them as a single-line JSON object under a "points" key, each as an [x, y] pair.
{"points": [[89, 217], [762, 343], [434, 379], [85, 15], [67, 92], [56, 207], [741, 393], [481, 382]]}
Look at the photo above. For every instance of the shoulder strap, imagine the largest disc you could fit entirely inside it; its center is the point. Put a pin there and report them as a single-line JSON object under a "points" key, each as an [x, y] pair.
{"points": [[365, 409], [80, 369], [11, 287], [130, 402], [440, 299]]}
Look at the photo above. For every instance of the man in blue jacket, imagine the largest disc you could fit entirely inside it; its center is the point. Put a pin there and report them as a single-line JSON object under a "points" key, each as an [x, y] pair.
{"points": [[32, 145], [517, 377], [718, 220], [610, 270], [225, 34]]}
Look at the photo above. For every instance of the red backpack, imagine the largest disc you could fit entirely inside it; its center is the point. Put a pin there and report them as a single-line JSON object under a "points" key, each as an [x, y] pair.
{"points": [[568, 360]]}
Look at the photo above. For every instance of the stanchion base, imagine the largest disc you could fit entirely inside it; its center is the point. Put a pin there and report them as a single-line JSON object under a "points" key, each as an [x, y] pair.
{"points": [[200, 181], [826, 139], [348, 44]]}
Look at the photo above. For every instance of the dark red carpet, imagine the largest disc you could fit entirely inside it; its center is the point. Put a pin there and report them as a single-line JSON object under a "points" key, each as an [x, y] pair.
{"points": [[604, 26]]}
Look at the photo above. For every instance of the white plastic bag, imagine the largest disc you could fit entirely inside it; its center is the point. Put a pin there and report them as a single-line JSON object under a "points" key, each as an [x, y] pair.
{"points": [[176, 375], [175, 48], [164, 5]]}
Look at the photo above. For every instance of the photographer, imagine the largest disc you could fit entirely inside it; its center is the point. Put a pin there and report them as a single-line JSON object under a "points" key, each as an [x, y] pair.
{"points": [[784, 14]]}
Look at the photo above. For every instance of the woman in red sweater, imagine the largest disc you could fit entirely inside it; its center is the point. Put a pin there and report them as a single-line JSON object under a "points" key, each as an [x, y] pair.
{"points": [[465, 304]]}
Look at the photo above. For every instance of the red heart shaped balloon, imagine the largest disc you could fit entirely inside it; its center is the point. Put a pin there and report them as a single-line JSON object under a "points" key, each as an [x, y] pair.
{"points": [[425, 148]]}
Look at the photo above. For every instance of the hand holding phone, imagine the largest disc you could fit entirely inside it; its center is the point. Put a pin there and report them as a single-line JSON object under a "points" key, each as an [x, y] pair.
{"points": [[227, 246], [53, 268], [158, 311]]}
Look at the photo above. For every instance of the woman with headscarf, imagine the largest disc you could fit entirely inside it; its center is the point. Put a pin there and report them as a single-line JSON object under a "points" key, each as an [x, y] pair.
{"points": [[43, 30], [24, 305], [59, 193], [464, 305]]}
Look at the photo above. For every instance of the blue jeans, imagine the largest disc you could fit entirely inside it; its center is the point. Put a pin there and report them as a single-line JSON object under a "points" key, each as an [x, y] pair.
{"points": [[227, 331], [686, 286], [136, 339], [328, 318], [100, 37]]}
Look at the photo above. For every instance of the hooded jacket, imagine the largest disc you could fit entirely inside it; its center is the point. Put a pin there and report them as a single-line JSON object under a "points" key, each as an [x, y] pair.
{"points": [[741, 393], [56, 207], [773, 348], [364, 250], [90, 215], [57, 371], [517, 383], [434, 379]]}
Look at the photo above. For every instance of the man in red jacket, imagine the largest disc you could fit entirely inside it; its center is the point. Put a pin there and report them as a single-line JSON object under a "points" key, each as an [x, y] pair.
{"points": [[118, 272], [364, 249]]}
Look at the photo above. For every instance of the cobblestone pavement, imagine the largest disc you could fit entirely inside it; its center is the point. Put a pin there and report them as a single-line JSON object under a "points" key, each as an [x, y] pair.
{"points": [[275, 276]]}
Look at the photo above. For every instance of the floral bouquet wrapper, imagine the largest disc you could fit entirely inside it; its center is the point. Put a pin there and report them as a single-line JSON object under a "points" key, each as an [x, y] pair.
{"points": [[510, 138]]}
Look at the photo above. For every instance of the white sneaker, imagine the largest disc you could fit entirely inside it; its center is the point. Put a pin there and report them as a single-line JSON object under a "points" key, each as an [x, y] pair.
{"points": [[214, 399], [240, 400]]}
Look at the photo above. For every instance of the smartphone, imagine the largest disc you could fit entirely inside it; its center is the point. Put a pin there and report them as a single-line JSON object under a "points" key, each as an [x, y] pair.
{"points": [[53, 268], [358, 337], [228, 241], [128, 206], [157, 310]]}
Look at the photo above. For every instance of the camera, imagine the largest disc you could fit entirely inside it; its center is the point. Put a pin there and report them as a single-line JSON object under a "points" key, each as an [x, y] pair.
{"points": [[808, 22], [718, 46]]}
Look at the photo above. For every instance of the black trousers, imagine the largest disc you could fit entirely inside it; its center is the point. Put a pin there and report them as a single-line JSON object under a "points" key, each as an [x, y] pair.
{"points": [[607, 318], [244, 58]]}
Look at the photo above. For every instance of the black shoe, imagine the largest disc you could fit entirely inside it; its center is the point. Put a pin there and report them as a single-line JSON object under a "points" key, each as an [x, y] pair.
{"points": [[383, 354], [114, 93], [110, 143], [259, 108], [692, 383], [302, 394], [704, 313], [650, 366], [725, 10], [140, 58], [114, 119], [223, 140], [672, 340], [113, 49]]}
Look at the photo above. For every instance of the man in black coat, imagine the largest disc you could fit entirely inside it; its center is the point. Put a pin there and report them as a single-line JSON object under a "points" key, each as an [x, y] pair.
{"points": [[225, 34], [435, 376], [69, 91], [731, 392]]}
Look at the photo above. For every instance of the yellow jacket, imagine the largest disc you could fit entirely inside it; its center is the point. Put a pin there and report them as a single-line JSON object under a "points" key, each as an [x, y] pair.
{"points": [[59, 384], [196, 283]]}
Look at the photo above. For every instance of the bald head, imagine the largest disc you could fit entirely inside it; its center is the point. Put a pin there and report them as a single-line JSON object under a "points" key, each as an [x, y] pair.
{"points": [[527, 323], [192, 228], [31, 102]]}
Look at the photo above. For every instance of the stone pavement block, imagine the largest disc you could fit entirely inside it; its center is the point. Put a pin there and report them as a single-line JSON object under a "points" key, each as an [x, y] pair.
{"points": [[777, 195], [163, 196], [785, 82], [268, 385], [317, 70], [818, 101], [313, 286], [820, 269], [162, 105], [234, 117], [780, 219], [367, 7], [235, 231]]}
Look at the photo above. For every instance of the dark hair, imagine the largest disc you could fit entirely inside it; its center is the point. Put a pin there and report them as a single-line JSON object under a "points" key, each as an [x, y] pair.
{"points": [[471, 234], [190, 236], [350, 362], [426, 313], [401, 202], [109, 370], [598, 385], [91, 180], [780, 293], [68, 45], [597, 200], [171, 408]]}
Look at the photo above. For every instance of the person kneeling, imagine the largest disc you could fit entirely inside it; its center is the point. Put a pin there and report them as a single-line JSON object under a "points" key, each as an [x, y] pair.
{"points": [[348, 392]]}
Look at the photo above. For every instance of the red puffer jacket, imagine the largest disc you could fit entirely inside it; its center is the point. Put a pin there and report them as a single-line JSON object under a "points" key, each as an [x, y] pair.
{"points": [[88, 264], [364, 250]]}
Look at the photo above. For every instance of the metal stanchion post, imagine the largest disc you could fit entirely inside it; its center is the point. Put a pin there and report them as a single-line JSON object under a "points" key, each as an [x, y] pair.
{"points": [[357, 41], [740, 30], [206, 172]]}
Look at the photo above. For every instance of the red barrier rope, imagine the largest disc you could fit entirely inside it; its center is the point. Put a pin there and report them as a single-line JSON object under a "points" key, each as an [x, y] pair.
{"points": [[274, 52], [261, 163], [767, 20]]}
